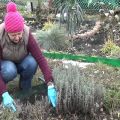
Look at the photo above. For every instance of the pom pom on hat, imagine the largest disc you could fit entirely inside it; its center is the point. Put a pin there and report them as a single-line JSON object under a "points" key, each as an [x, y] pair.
{"points": [[11, 7], [14, 22]]}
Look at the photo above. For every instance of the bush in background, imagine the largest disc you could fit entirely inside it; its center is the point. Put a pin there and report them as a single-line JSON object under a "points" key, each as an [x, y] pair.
{"points": [[52, 38], [111, 49]]}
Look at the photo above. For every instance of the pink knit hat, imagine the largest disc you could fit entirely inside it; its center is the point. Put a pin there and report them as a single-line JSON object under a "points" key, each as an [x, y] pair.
{"points": [[14, 22]]}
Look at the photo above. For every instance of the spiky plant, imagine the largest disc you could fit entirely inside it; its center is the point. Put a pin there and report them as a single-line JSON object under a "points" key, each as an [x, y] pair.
{"points": [[76, 91], [53, 39], [71, 12]]}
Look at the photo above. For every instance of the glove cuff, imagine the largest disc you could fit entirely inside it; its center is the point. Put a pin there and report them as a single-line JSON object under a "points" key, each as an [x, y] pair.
{"points": [[5, 94], [51, 86]]}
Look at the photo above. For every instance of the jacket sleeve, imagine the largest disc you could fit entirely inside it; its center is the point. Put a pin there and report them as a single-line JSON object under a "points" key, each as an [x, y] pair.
{"points": [[34, 49], [3, 87]]}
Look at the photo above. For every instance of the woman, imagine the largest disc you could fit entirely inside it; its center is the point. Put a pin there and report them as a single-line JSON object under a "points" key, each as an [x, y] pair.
{"points": [[20, 54]]}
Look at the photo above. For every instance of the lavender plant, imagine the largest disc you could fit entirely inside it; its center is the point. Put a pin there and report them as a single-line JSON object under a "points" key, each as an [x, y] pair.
{"points": [[76, 91]]}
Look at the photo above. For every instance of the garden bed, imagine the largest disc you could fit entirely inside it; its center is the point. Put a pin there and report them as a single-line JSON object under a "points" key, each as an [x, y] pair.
{"points": [[37, 107]]}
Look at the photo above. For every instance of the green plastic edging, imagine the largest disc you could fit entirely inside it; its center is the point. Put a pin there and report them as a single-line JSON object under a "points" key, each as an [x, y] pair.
{"points": [[85, 58]]}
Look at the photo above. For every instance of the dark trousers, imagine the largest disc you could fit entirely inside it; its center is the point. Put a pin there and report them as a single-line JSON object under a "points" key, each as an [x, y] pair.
{"points": [[26, 68]]}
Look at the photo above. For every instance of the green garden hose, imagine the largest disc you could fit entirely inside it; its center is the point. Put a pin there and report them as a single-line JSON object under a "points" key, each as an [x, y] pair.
{"points": [[84, 58]]}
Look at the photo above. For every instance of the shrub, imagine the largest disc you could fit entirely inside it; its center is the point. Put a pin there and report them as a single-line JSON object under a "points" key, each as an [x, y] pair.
{"points": [[48, 25], [76, 91], [111, 49], [115, 52], [53, 39], [108, 46]]}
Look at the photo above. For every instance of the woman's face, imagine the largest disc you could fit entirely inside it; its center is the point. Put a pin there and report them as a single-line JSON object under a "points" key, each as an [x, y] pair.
{"points": [[15, 37]]}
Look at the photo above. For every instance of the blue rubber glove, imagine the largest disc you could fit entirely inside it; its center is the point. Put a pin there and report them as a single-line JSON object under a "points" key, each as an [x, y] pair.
{"points": [[8, 102], [52, 95]]}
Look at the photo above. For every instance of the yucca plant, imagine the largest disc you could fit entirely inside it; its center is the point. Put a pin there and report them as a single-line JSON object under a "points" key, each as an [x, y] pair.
{"points": [[73, 11], [53, 39], [76, 92]]}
